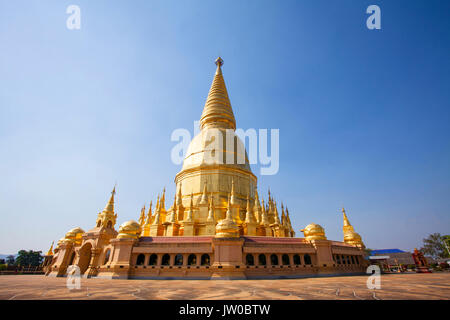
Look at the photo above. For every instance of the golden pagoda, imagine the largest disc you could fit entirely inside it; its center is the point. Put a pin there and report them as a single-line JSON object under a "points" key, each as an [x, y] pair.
{"points": [[205, 182], [216, 227], [350, 236]]}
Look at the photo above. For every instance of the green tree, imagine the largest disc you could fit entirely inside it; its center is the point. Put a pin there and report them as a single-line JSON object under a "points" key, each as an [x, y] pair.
{"points": [[434, 246], [25, 258], [10, 259], [446, 240]]}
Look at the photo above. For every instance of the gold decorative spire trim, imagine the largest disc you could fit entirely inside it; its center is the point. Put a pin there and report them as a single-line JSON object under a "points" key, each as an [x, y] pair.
{"points": [[249, 218], [350, 236], [233, 196], [180, 197], [346, 221], [275, 212], [264, 218], [227, 227], [217, 111], [110, 205], [142, 216], [149, 214], [191, 208], [50, 251], [204, 199], [211, 210]]}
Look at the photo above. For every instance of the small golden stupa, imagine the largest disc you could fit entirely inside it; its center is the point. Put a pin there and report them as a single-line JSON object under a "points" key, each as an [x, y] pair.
{"points": [[74, 235], [227, 228], [350, 236], [130, 229], [314, 232]]}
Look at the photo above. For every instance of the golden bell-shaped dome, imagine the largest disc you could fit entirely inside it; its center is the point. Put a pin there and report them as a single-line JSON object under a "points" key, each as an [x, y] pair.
{"points": [[227, 228], [206, 150], [74, 232], [74, 235], [314, 232], [353, 238], [129, 230]]}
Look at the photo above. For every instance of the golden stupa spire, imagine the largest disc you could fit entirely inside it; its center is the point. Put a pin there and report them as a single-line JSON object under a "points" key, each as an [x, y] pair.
{"points": [[157, 217], [228, 215], [287, 216], [275, 212], [217, 111], [157, 211], [107, 218], [142, 216], [232, 199], [350, 236], [204, 199], [257, 207], [162, 203], [249, 218], [174, 206], [172, 216], [149, 214], [110, 205], [191, 208], [157, 204], [346, 221], [211, 210], [50, 251], [264, 219], [180, 197]]}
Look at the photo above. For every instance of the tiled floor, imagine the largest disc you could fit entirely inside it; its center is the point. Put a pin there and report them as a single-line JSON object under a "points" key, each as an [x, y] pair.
{"points": [[393, 286]]}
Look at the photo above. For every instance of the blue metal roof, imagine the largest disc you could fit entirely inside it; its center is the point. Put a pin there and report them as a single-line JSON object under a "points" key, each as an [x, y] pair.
{"points": [[384, 251]]}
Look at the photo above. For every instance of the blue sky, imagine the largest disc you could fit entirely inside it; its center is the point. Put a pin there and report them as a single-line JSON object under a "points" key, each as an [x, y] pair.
{"points": [[363, 114]]}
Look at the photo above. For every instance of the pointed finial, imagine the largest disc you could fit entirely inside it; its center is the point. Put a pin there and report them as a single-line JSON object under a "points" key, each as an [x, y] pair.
{"points": [[50, 251], [346, 221], [211, 209], [228, 215], [257, 204], [149, 214], [277, 218], [174, 206], [189, 215], [219, 62], [162, 202], [232, 197], [109, 208], [180, 197], [204, 199], [218, 111], [249, 218]]}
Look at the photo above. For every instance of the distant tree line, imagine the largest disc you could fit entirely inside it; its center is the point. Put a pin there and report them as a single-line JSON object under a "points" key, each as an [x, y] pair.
{"points": [[436, 246], [24, 258]]}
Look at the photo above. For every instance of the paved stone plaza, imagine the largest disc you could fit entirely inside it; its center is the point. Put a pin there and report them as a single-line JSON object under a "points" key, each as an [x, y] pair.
{"points": [[393, 286]]}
